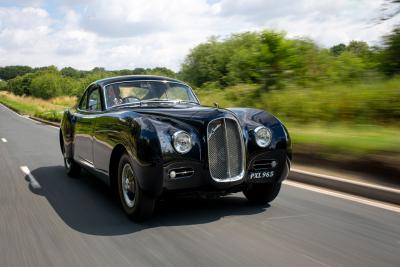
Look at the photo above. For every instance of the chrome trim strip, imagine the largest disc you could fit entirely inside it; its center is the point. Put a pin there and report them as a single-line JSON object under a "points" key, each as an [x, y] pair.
{"points": [[86, 162], [227, 150], [242, 173]]}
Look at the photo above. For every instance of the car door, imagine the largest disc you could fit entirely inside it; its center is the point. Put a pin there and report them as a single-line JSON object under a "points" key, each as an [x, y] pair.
{"points": [[84, 124]]}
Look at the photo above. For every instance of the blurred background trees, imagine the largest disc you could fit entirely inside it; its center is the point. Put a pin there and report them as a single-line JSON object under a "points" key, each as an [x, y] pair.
{"points": [[271, 59], [48, 82], [292, 77]]}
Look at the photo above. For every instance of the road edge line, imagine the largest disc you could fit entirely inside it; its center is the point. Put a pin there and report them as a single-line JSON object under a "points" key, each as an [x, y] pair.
{"points": [[370, 191], [32, 181], [350, 197]]}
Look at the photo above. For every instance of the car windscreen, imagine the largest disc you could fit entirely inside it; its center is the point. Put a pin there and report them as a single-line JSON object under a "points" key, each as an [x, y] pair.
{"points": [[141, 91]]}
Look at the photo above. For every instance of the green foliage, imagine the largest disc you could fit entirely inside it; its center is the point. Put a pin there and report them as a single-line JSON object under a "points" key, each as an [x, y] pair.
{"points": [[338, 49], [358, 48], [347, 67], [390, 59], [71, 72], [377, 102], [52, 84], [48, 82], [206, 63], [21, 85], [3, 85], [10, 72], [270, 59]]}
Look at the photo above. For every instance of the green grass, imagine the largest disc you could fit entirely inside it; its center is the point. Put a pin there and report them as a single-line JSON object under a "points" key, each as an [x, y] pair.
{"points": [[346, 139], [338, 138], [51, 109], [351, 119]]}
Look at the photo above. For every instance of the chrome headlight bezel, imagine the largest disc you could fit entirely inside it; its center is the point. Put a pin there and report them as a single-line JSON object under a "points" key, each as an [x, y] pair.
{"points": [[182, 142], [263, 136]]}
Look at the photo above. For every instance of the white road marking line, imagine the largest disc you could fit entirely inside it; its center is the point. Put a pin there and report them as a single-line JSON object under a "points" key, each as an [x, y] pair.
{"points": [[380, 187], [57, 128], [315, 260], [37, 122], [4, 140], [35, 184], [357, 199]]}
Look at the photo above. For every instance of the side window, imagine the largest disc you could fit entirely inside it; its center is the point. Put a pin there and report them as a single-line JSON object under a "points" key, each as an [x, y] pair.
{"points": [[94, 103], [83, 103]]}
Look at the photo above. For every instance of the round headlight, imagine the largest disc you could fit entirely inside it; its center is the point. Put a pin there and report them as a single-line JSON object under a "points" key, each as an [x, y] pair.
{"points": [[182, 142], [263, 136]]}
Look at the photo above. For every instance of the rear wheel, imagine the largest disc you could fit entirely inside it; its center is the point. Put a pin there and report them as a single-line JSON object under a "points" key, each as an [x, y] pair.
{"points": [[262, 193], [71, 167], [136, 203]]}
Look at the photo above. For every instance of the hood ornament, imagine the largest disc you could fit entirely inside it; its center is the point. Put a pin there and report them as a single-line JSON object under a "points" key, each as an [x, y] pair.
{"points": [[216, 105]]}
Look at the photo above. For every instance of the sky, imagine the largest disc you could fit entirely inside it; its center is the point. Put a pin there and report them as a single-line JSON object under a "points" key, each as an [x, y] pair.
{"points": [[125, 34]]}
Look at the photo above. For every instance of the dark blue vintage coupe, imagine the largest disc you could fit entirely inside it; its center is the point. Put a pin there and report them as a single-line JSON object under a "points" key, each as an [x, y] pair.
{"points": [[148, 136]]}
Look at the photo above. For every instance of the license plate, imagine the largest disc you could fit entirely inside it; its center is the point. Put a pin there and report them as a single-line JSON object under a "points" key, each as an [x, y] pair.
{"points": [[261, 175]]}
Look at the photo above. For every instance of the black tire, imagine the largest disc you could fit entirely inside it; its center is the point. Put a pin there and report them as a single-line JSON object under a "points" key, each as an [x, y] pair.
{"points": [[71, 167], [262, 193], [139, 205]]}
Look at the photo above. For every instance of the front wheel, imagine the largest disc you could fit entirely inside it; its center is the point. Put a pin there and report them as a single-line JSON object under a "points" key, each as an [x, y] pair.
{"points": [[262, 193], [71, 167], [136, 203]]}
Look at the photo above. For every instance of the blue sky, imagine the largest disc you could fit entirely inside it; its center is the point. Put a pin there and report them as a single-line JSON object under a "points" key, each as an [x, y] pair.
{"points": [[119, 34]]}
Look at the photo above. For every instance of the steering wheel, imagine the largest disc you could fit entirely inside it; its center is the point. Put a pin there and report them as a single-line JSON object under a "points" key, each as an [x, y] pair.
{"points": [[130, 99]]}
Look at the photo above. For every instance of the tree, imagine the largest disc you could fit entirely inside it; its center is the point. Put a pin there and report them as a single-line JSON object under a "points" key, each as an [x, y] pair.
{"points": [[359, 48], [3, 85], [336, 50], [346, 68], [98, 69], [206, 62], [10, 72], [70, 72], [390, 61], [162, 71], [21, 85]]}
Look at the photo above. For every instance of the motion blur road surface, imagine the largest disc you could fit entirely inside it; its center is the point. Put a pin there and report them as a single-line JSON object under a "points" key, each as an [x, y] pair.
{"points": [[60, 221]]}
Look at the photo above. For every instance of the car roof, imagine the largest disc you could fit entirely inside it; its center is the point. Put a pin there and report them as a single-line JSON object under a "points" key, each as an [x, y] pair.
{"points": [[106, 81]]}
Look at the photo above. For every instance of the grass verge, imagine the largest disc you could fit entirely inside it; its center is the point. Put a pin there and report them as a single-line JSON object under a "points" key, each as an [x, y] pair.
{"points": [[50, 110], [336, 139]]}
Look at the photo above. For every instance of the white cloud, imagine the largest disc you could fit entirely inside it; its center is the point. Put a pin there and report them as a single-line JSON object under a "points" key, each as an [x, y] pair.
{"points": [[126, 34], [28, 36]]}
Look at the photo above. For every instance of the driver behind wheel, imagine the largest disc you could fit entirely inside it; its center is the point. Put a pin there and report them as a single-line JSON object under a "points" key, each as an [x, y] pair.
{"points": [[113, 95]]}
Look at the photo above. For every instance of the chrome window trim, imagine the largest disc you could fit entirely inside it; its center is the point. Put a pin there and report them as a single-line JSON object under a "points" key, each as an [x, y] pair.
{"points": [[146, 80], [242, 173]]}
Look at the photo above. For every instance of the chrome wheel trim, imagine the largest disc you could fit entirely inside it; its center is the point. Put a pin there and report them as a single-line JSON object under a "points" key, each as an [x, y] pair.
{"points": [[128, 185], [67, 160], [67, 163]]}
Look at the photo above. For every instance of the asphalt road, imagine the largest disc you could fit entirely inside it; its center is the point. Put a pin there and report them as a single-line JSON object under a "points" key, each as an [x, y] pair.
{"points": [[60, 221]]}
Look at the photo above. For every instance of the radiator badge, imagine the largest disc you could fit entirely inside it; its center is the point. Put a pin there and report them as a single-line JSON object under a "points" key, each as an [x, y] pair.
{"points": [[213, 130]]}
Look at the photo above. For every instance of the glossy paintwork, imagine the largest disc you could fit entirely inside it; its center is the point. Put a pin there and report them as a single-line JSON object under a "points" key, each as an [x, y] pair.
{"points": [[146, 134]]}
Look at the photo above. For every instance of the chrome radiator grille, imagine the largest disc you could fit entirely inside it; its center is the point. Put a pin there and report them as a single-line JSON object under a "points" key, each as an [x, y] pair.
{"points": [[225, 150]]}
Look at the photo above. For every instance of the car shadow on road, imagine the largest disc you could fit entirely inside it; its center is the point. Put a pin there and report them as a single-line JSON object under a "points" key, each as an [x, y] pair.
{"points": [[87, 205]]}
